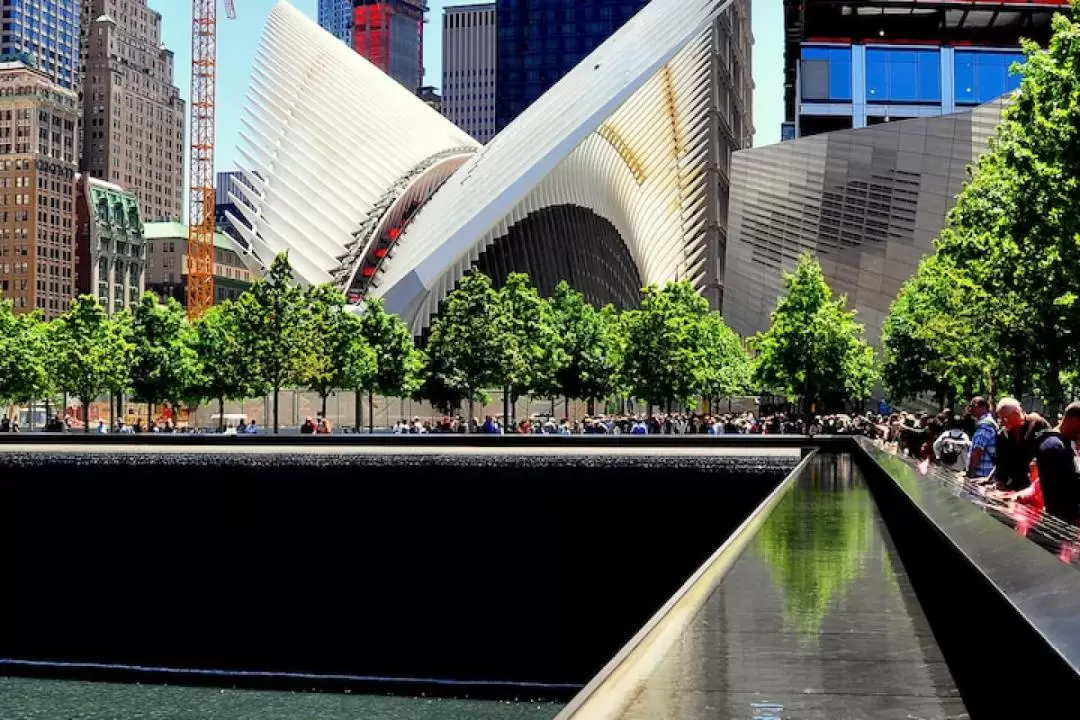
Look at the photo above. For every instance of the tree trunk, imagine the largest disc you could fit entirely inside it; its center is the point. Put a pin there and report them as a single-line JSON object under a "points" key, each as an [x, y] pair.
{"points": [[371, 411], [277, 391], [48, 410], [469, 420], [86, 414], [324, 405], [358, 411], [221, 414], [590, 407], [506, 406], [566, 408]]}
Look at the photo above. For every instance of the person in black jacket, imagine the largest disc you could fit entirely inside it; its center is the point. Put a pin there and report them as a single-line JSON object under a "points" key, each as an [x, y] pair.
{"points": [[1059, 468], [1017, 441]]}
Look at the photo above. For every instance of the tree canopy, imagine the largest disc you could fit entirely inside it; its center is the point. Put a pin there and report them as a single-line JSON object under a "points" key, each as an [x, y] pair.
{"points": [[1010, 250], [814, 349]]}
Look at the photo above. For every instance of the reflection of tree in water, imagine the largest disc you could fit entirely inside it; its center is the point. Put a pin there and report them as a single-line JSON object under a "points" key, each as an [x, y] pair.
{"points": [[815, 540]]}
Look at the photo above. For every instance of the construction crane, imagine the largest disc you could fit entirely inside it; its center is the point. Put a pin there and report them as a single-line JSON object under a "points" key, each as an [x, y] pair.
{"points": [[200, 255]]}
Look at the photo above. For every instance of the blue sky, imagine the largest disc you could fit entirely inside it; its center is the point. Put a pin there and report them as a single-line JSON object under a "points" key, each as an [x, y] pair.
{"points": [[237, 40]]}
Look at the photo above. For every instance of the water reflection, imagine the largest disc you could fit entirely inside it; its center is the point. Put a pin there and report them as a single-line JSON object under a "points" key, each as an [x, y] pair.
{"points": [[816, 540]]}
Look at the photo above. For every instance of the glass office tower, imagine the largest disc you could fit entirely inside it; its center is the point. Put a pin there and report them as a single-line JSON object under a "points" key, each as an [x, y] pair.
{"points": [[539, 41], [44, 34]]}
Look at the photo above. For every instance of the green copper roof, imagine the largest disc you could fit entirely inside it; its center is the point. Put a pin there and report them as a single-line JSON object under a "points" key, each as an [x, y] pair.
{"points": [[156, 231], [114, 208]]}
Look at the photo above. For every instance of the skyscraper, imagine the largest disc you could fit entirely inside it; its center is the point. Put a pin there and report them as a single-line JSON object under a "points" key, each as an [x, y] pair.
{"points": [[469, 59], [390, 34], [539, 41], [38, 136], [335, 16], [133, 117], [849, 66], [45, 34]]}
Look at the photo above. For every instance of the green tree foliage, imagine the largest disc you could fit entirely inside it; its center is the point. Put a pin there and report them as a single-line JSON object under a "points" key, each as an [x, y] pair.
{"points": [[929, 339], [224, 368], [397, 361], [90, 353], [1014, 234], [356, 365], [590, 362], [728, 369], [531, 352], [319, 370], [24, 370], [465, 345], [273, 320], [814, 349], [165, 363], [667, 346]]}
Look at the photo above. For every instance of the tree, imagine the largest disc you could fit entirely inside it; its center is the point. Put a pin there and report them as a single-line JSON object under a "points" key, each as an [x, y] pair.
{"points": [[930, 337], [356, 364], [465, 343], [727, 365], [397, 361], [224, 369], [590, 362], [24, 352], [165, 362], [273, 321], [666, 349], [319, 371], [1015, 227], [814, 349], [89, 352], [531, 352]]}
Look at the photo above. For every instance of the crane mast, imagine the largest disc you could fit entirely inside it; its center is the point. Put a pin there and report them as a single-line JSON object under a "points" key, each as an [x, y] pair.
{"points": [[200, 255]]}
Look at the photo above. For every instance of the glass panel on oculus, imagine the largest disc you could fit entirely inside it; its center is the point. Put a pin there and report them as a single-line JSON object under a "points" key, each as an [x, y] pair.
{"points": [[826, 73], [982, 76], [903, 76]]}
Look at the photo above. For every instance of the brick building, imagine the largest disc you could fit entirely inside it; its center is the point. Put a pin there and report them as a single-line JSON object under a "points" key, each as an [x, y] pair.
{"points": [[133, 117], [38, 121]]}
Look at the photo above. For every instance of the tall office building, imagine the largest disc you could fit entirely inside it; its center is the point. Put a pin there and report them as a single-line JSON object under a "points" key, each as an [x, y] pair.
{"points": [[539, 41], [133, 117], [469, 57], [45, 34], [733, 94], [390, 34], [850, 66], [38, 137], [335, 16]]}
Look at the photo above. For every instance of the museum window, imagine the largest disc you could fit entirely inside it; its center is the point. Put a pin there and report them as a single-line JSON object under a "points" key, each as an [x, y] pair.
{"points": [[983, 76], [825, 74], [903, 76]]}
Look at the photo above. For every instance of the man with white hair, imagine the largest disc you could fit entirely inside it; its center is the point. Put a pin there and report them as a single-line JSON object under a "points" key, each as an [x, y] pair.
{"points": [[1017, 442]]}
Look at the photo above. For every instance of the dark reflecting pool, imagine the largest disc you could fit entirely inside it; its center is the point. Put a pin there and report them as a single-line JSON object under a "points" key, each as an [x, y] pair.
{"points": [[63, 700]]}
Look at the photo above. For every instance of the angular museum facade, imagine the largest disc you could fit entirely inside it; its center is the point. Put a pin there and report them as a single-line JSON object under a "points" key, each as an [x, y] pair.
{"points": [[867, 203], [602, 182]]}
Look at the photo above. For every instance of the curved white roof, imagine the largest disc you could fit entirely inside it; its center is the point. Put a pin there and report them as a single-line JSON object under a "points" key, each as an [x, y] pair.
{"points": [[330, 140]]}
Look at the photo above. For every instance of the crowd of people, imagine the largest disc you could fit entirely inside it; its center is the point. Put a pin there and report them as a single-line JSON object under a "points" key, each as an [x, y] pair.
{"points": [[1009, 453]]}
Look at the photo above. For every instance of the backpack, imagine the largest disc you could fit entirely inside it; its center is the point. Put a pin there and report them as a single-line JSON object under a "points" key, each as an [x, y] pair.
{"points": [[954, 446]]}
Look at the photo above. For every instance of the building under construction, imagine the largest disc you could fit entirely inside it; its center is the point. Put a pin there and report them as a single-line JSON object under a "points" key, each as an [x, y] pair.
{"points": [[390, 33]]}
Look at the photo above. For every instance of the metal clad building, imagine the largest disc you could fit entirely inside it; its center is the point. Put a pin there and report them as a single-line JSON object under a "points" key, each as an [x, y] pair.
{"points": [[867, 203]]}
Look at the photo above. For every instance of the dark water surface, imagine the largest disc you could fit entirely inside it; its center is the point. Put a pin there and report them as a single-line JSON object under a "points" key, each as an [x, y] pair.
{"points": [[63, 700]]}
